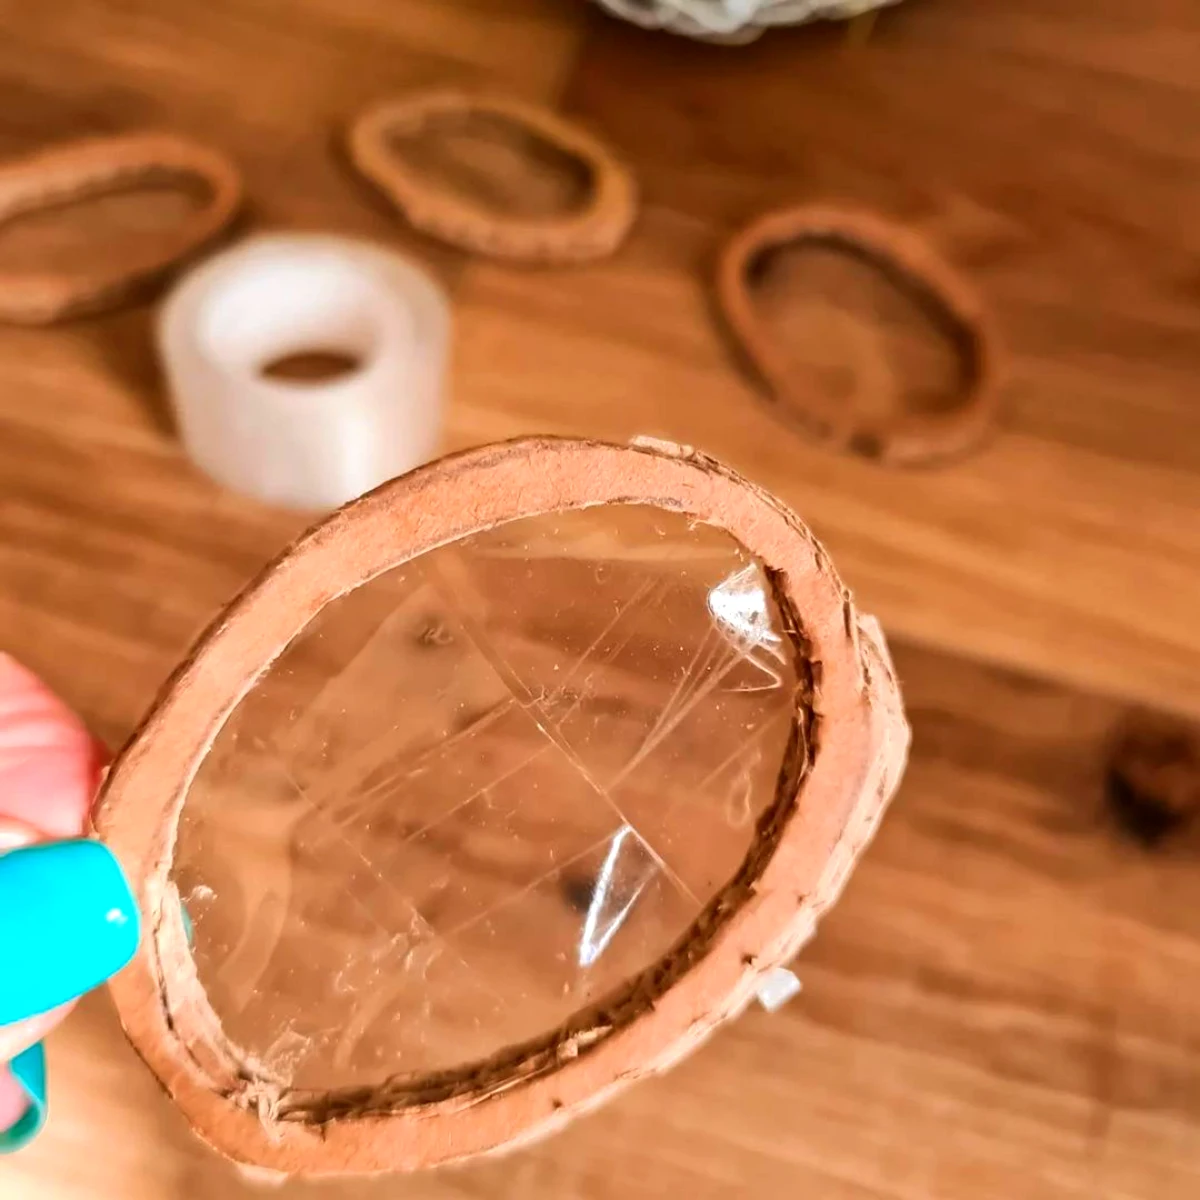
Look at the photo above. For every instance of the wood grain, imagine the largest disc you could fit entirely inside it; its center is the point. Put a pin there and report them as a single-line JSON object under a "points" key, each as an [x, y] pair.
{"points": [[1005, 1004], [1049, 157]]}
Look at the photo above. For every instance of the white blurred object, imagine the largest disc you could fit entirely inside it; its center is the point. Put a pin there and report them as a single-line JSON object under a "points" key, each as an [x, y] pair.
{"points": [[304, 443], [777, 987], [734, 20]]}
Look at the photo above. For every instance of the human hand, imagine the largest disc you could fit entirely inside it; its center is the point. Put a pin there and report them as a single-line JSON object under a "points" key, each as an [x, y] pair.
{"points": [[67, 918]]}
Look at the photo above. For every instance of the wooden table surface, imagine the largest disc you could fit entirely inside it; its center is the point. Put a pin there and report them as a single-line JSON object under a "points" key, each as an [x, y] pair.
{"points": [[1007, 1002]]}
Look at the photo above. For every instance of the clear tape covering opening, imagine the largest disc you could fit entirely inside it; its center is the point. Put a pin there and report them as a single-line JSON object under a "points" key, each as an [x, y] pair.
{"points": [[482, 791]]}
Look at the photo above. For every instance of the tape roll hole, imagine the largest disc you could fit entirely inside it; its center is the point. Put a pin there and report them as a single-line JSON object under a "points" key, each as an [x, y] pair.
{"points": [[311, 366], [298, 324]]}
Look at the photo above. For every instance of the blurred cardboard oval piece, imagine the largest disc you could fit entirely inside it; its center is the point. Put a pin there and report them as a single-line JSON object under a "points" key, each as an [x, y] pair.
{"points": [[499, 790], [88, 225], [863, 337], [496, 175]]}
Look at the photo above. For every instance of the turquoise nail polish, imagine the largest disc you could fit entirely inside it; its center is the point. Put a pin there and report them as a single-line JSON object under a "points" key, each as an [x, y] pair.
{"points": [[29, 1070], [67, 922]]}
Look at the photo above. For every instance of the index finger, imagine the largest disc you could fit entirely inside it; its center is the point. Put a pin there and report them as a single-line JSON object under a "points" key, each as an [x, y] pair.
{"points": [[50, 766]]}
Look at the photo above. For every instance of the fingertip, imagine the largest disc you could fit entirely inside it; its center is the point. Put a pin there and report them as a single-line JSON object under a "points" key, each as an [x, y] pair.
{"points": [[68, 921]]}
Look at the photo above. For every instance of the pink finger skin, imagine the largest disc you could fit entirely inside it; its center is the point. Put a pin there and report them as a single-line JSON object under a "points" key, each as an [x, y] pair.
{"points": [[49, 763], [13, 1101], [50, 767]]}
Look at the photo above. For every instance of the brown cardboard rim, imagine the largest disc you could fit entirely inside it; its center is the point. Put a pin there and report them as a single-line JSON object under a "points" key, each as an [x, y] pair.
{"points": [[592, 231], [75, 171], [847, 753], [913, 439]]}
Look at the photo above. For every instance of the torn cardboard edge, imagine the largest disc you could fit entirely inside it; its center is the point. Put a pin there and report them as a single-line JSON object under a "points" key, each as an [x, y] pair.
{"points": [[844, 759], [591, 231], [78, 171], [908, 438]]}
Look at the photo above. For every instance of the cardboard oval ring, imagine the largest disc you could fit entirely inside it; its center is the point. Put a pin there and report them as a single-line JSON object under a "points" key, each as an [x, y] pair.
{"points": [[592, 231], [912, 439], [847, 753], [66, 174]]}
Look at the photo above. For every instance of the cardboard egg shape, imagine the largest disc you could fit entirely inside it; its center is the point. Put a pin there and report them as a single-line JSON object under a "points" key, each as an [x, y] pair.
{"points": [[496, 175], [74, 173], [874, 421], [497, 791]]}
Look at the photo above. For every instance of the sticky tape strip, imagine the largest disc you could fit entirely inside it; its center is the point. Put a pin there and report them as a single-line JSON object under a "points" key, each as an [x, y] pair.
{"points": [[306, 444], [77, 171], [776, 988]]}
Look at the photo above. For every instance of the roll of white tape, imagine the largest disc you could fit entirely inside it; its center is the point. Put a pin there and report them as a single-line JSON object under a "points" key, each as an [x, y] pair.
{"points": [[306, 443]]}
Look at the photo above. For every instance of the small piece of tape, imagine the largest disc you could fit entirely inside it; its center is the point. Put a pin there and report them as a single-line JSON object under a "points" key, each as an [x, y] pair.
{"points": [[777, 987]]}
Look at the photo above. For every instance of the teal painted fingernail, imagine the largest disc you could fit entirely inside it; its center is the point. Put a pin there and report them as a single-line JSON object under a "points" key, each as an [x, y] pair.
{"points": [[29, 1070], [67, 922]]}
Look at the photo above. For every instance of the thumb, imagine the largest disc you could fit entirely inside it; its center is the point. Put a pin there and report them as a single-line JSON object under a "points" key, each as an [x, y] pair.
{"points": [[55, 888], [67, 918]]}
